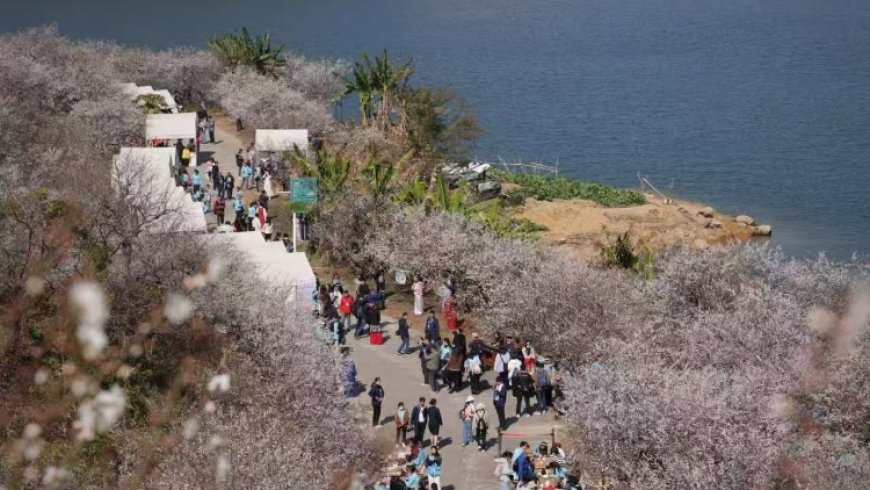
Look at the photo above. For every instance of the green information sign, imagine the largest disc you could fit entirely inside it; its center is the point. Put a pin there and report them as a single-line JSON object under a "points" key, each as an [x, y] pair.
{"points": [[303, 191]]}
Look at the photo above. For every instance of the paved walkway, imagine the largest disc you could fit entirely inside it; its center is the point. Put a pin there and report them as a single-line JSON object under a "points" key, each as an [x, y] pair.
{"points": [[464, 468]]}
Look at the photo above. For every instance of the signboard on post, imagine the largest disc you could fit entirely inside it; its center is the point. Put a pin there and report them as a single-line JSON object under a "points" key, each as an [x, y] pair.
{"points": [[303, 191]]}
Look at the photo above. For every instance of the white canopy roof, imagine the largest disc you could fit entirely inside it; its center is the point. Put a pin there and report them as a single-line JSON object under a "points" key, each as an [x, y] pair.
{"points": [[170, 126], [289, 271], [281, 139], [144, 176]]}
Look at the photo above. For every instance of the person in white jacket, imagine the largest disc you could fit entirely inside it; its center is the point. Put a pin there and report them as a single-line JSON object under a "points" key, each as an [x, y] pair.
{"points": [[503, 471]]}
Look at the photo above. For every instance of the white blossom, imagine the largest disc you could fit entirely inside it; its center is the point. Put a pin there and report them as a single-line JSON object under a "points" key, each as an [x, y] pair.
{"points": [[56, 477], [190, 428], [90, 301], [178, 308], [219, 383], [195, 281], [99, 414], [41, 376], [32, 431], [222, 469], [214, 269], [34, 286], [209, 407]]}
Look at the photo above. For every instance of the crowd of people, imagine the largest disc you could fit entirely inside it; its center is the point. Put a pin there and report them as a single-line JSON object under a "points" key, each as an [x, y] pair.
{"points": [[452, 362]]}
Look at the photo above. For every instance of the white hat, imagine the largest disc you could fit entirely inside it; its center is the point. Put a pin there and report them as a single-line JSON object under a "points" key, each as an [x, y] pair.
{"points": [[470, 399], [480, 406]]}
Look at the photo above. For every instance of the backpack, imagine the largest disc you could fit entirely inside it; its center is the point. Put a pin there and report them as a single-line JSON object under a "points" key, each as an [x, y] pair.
{"points": [[462, 414]]}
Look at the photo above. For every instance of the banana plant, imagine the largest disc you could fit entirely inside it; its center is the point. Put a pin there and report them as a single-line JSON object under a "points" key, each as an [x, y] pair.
{"points": [[236, 50], [381, 175], [331, 170]]}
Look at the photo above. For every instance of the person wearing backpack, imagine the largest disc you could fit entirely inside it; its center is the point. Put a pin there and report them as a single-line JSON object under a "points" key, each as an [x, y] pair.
{"points": [[524, 388], [466, 415], [475, 370], [481, 425]]}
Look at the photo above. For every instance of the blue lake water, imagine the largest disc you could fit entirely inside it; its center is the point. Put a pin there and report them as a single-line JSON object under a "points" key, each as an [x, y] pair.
{"points": [[759, 107]]}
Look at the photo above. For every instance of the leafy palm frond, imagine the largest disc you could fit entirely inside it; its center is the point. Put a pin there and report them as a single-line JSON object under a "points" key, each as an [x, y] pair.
{"points": [[236, 50]]}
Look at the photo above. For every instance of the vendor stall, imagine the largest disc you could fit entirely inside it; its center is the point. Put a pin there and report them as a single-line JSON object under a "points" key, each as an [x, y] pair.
{"points": [[172, 127]]}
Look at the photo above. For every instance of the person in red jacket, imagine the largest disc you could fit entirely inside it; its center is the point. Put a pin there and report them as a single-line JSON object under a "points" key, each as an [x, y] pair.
{"points": [[345, 307], [219, 207]]}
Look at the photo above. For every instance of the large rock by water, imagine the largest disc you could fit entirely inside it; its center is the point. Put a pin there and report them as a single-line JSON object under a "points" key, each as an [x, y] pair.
{"points": [[746, 220], [706, 212], [762, 230]]}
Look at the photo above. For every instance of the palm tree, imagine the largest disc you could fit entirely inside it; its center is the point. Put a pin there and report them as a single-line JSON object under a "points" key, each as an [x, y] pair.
{"points": [[236, 50], [330, 169], [361, 84], [152, 103], [382, 175], [378, 77]]}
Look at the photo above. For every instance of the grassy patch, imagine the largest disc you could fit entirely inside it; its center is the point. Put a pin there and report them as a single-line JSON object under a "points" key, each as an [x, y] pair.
{"points": [[547, 188]]}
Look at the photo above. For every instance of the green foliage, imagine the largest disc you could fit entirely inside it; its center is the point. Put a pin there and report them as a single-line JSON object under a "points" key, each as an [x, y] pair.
{"points": [[492, 215], [381, 175], [452, 201], [547, 188], [330, 169], [439, 124], [413, 193], [152, 103], [236, 50], [621, 253]]}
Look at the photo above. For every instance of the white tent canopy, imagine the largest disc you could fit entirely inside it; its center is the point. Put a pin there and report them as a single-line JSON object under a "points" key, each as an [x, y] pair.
{"points": [[281, 139], [171, 126], [144, 176], [290, 272]]}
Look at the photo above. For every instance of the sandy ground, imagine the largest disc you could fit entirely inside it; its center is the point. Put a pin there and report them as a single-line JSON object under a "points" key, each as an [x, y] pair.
{"points": [[580, 226]]}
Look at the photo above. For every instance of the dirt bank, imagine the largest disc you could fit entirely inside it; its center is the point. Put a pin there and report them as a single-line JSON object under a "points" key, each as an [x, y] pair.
{"points": [[581, 226]]}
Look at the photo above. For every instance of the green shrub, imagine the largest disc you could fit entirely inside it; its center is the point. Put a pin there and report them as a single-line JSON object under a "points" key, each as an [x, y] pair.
{"points": [[547, 188]]}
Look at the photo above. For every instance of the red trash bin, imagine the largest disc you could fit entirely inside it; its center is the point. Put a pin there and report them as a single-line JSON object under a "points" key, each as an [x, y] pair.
{"points": [[376, 338]]}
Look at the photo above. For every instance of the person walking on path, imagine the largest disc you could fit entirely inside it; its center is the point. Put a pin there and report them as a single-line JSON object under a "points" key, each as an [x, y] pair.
{"points": [[210, 125], [402, 419], [454, 372], [419, 417], [376, 393], [229, 183], [481, 425], [345, 307], [197, 181], [475, 370], [246, 173], [499, 400], [240, 161], [432, 328], [467, 417], [418, 297], [542, 382], [421, 353], [432, 365], [434, 421], [219, 208], [404, 335], [524, 388]]}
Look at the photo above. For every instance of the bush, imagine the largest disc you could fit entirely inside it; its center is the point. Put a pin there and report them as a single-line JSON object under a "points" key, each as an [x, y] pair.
{"points": [[547, 188]]}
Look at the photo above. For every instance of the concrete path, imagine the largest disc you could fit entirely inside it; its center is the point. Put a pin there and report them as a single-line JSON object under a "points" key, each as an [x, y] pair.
{"points": [[224, 151], [464, 468]]}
